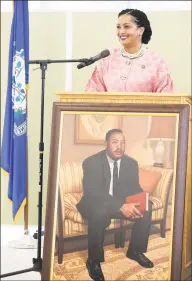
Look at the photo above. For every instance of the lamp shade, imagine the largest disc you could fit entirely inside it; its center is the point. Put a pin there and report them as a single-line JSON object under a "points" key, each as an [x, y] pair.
{"points": [[162, 127]]}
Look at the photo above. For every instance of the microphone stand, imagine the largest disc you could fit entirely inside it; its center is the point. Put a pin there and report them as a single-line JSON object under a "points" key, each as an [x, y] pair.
{"points": [[37, 262]]}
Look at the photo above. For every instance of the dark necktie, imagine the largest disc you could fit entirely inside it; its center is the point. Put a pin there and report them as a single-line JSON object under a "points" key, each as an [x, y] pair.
{"points": [[115, 177]]}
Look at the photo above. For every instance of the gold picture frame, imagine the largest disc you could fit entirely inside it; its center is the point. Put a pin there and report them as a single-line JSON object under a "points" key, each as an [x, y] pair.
{"points": [[81, 106]]}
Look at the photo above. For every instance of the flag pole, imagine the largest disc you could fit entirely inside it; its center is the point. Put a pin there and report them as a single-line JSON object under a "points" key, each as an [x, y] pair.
{"points": [[26, 226]]}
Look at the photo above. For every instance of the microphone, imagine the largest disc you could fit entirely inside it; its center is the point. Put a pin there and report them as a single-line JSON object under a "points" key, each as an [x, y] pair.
{"points": [[102, 55]]}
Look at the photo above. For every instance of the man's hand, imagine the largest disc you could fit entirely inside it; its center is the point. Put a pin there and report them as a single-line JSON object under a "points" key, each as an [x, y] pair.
{"points": [[130, 210]]}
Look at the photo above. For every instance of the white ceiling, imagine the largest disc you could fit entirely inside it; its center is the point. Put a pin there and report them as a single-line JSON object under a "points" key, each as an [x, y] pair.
{"points": [[100, 6]]}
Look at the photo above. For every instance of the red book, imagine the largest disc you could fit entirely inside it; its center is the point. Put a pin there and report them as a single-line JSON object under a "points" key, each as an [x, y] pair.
{"points": [[142, 198]]}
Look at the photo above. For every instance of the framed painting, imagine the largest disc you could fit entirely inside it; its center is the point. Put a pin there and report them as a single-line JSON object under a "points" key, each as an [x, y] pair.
{"points": [[91, 128], [155, 138]]}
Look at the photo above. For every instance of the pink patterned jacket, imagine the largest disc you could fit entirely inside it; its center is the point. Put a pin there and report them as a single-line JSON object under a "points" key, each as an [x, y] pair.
{"points": [[115, 73]]}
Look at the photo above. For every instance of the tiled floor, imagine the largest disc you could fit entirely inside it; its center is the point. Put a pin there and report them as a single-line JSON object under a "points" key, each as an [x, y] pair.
{"points": [[13, 259], [18, 259]]}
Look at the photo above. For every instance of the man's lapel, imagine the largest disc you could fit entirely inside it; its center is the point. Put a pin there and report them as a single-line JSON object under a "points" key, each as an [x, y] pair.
{"points": [[106, 171], [123, 170]]}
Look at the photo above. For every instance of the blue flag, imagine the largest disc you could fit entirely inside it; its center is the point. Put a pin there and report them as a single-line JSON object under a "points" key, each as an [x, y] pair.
{"points": [[14, 142]]}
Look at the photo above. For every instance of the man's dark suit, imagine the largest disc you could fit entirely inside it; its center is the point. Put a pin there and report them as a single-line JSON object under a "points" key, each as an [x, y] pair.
{"points": [[98, 206]]}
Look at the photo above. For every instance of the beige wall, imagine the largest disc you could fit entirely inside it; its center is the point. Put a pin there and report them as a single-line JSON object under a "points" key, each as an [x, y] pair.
{"points": [[71, 151], [92, 32], [137, 144]]}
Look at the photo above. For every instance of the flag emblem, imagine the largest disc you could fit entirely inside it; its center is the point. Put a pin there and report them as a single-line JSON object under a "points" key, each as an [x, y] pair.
{"points": [[19, 92]]}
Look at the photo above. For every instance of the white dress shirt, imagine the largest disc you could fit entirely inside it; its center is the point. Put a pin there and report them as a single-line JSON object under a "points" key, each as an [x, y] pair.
{"points": [[111, 165]]}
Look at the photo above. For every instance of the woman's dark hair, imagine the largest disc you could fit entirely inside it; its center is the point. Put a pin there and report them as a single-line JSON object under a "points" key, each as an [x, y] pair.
{"points": [[141, 20]]}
